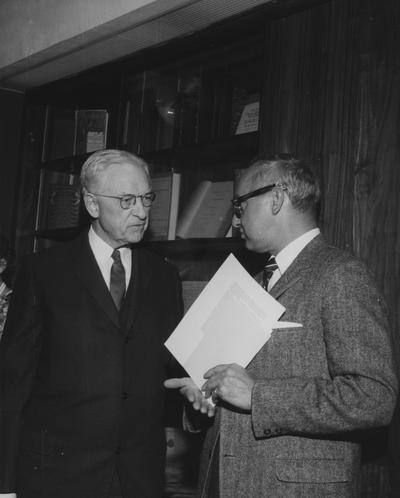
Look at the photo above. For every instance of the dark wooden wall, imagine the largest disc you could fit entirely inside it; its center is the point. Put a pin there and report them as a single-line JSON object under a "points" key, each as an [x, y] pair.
{"points": [[332, 95], [11, 107]]}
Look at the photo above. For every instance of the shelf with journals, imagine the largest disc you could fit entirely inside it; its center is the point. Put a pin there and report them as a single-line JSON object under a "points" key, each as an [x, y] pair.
{"points": [[60, 213], [213, 161], [199, 259]]}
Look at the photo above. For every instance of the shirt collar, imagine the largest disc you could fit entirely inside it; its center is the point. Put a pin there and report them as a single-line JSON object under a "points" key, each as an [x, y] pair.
{"points": [[288, 254], [102, 251]]}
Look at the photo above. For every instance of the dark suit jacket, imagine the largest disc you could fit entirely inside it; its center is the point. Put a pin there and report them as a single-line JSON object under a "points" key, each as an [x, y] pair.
{"points": [[81, 386], [319, 388]]}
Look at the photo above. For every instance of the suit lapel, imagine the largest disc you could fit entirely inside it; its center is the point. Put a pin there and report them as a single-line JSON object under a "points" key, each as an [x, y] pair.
{"points": [[90, 275], [301, 264]]}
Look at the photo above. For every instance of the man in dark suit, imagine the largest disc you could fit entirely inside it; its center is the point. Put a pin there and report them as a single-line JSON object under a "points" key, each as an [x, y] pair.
{"points": [[290, 424], [82, 356]]}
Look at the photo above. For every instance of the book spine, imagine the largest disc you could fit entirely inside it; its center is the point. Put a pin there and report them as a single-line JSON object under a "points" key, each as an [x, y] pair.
{"points": [[174, 205], [186, 220]]}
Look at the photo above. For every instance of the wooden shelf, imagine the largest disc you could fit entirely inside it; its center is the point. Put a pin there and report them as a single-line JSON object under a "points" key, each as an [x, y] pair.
{"points": [[199, 259], [194, 246], [69, 164], [59, 234], [196, 259], [243, 143]]}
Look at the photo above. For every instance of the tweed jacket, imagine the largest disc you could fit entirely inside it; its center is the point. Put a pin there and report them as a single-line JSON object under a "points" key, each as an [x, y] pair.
{"points": [[81, 384], [319, 388]]}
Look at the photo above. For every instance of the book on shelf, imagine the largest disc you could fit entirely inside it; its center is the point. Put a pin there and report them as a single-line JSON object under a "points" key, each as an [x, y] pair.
{"points": [[208, 213], [164, 211], [70, 132], [60, 201], [249, 119], [91, 130]]}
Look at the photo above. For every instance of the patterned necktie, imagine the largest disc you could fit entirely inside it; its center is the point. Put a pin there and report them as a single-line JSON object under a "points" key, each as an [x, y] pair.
{"points": [[269, 269], [117, 279]]}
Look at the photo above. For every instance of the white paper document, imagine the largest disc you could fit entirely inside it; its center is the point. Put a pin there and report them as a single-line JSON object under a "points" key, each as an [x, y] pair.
{"points": [[229, 322]]}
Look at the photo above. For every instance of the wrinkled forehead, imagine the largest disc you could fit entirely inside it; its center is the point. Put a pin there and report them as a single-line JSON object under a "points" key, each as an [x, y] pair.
{"points": [[120, 174]]}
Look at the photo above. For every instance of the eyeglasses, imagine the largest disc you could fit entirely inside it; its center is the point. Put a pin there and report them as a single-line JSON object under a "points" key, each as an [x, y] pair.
{"points": [[129, 200], [237, 201]]}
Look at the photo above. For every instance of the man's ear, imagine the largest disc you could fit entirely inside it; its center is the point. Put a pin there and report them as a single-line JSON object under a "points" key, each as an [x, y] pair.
{"points": [[278, 198], [91, 204]]}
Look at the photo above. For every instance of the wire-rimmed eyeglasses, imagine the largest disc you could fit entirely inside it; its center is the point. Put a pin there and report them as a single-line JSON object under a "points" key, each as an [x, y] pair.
{"points": [[128, 200], [237, 201]]}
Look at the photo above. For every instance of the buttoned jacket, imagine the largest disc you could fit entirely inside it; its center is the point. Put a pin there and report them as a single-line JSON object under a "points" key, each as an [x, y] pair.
{"points": [[81, 384]]}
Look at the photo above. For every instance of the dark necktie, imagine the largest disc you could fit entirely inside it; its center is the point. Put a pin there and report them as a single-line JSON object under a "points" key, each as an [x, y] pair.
{"points": [[117, 279], [269, 269]]}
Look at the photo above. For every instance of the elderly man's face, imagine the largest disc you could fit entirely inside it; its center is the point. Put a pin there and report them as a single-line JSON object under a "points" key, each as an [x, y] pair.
{"points": [[115, 225]]}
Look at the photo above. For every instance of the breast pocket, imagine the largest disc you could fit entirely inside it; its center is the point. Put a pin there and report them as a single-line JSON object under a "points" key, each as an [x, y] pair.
{"points": [[288, 352]]}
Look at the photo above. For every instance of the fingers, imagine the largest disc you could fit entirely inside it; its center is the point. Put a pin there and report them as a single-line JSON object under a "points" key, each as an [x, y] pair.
{"points": [[176, 383], [215, 370], [229, 383], [207, 407], [216, 377], [199, 402], [192, 393]]}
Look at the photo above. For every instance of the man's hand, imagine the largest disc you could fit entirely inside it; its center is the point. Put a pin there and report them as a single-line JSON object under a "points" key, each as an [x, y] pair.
{"points": [[230, 383], [192, 393]]}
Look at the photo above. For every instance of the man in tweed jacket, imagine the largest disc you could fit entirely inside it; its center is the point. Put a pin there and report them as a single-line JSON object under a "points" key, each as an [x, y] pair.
{"points": [[291, 423]]}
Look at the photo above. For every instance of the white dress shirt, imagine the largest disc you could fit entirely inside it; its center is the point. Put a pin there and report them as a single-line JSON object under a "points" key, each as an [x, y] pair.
{"points": [[288, 254], [102, 253]]}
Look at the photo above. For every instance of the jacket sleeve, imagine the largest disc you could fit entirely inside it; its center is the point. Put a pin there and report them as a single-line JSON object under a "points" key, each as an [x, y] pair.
{"points": [[360, 388], [19, 350]]}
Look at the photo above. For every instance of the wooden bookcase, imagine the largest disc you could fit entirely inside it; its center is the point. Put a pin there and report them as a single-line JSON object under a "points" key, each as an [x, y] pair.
{"points": [[179, 113], [182, 112]]}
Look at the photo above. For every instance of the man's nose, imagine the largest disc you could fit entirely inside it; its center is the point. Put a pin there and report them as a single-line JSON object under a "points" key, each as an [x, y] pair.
{"points": [[138, 209]]}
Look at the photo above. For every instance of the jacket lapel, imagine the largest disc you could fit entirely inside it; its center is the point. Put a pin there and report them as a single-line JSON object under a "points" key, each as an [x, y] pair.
{"points": [[302, 264], [89, 273]]}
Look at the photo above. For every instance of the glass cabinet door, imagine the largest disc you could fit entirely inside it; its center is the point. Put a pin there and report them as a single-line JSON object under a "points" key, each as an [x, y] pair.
{"points": [[162, 109], [197, 101]]}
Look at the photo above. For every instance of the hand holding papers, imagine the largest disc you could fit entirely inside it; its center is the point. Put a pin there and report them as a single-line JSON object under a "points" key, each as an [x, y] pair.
{"points": [[231, 383], [229, 322]]}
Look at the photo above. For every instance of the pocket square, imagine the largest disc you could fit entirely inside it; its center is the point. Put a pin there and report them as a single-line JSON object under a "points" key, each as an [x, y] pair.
{"points": [[286, 325]]}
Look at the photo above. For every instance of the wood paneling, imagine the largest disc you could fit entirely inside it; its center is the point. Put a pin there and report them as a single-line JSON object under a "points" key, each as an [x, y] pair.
{"points": [[332, 95], [11, 110]]}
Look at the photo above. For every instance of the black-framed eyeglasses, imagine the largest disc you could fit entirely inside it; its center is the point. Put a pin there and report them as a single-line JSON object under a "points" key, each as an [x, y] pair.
{"points": [[129, 200], [237, 201]]}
